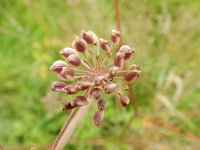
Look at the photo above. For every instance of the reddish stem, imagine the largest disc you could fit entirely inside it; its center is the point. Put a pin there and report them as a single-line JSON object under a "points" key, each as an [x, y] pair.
{"points": [[117, 12], [131, 90], [73, 112], [117, 18]]}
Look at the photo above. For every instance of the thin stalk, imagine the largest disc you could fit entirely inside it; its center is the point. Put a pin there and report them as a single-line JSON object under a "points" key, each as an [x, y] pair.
{"points": [[76, 69], [57, 142], [86, 66], [117, 18], [117, 14], [131, 90], [70, 125]]}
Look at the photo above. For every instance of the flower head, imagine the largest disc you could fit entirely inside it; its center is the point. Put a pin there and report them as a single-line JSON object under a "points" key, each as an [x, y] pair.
{"points": [[95, 69]]}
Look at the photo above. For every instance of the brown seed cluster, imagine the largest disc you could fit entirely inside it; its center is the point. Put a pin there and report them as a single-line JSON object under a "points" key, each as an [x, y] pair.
{"points": [[87, 64]]}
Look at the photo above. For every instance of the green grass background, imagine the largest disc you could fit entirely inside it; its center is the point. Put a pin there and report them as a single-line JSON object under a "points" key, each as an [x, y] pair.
{"points": [[166, 34]]}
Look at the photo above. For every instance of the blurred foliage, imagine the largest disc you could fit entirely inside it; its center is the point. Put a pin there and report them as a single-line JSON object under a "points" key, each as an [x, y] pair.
{"points": [[166, 35]]}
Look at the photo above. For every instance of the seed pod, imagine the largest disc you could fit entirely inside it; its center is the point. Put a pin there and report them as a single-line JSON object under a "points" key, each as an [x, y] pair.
{"points": [[95, 92], [127, 51], [62, 77], [67, 51], [57, 66], [115, 36], [67, 106], [124, 100], [90, 37], [79, 44], [74, 60], [58, 86], [110, 88], [132, 75], [84, 85], [119, 60], [113, 70], [79, 101], [98, 79], [111, 73], [68, 73], [98, 118], [134, 67], [101, 104], [71, 89], [104, 44]]}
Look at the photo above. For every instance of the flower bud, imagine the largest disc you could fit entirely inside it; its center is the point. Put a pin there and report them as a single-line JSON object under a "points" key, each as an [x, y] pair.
{"points": [[71, 89], [132, 75], [127, 51], [90, 37], [104, 44], [110, 88], [68, 73], [58, 66], [67, 51], [124, 100], [119, 60], [95, 92], [79, 101], [98, 118], [115, 36], [58, 86], [74, 60], [79, 44], [101, 104], [67, 106]]}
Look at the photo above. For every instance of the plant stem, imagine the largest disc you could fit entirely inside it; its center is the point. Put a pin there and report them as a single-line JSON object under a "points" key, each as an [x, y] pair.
{"points": [[55, 144], [133, 98], [117, 14], [117, 18], [70, 125], [131, 90]]}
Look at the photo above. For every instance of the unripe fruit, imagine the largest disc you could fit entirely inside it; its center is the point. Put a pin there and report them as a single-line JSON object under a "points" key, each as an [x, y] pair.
{"points": [[67, 106], [74, 60], [101, 104], [67, 51], [58, 86], [104, 44], [127, 51], [58, 65], [132, 75], [119, 60], [110, 88], [98, 118], [71, 89], [115, 36], [68, 73], [124, 100], [95, 92], [79, 45], [79, 101], [90, 37]]}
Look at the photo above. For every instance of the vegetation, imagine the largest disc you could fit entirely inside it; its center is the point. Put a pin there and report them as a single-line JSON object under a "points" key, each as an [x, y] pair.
{"points": [[166, 35]]}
